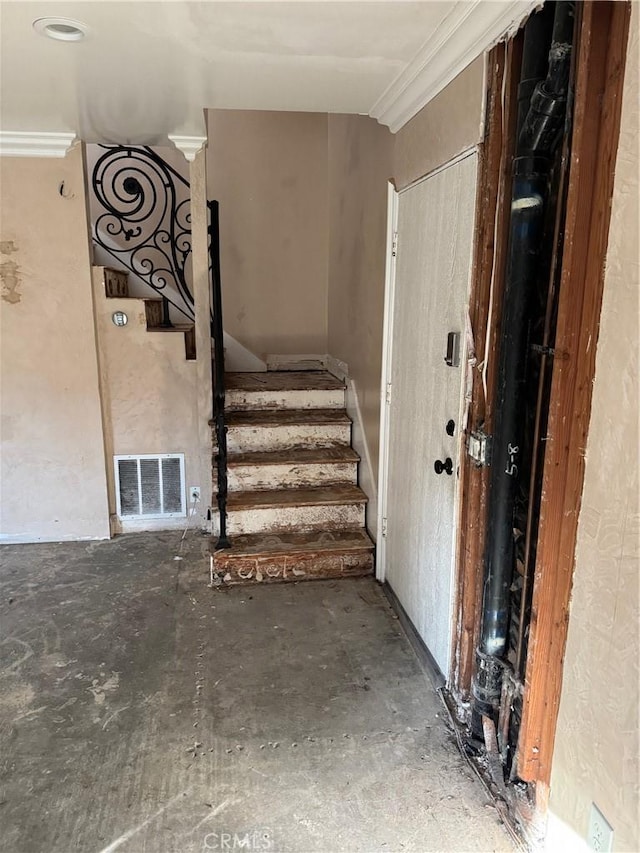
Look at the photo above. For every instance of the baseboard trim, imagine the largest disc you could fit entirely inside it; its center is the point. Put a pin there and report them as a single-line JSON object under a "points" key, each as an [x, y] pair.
{"points": [[34, 539], [423, 654], [366, 479], [337, 368]]}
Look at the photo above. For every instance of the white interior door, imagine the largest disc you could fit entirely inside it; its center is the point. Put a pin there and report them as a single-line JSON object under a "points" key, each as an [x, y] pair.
{"points": [[430, 294]]}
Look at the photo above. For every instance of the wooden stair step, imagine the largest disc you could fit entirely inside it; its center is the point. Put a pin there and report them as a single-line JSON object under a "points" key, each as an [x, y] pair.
{"points": [[274, 380], [292, 468], [295, 456], [333, 506], [270, 430], [335, 495], [315, 555], [286, 417], [177, 327], [309, 542]]}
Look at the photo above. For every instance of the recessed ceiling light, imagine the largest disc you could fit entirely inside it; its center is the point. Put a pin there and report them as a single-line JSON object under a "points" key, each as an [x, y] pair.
{"points": [[62, 29]]}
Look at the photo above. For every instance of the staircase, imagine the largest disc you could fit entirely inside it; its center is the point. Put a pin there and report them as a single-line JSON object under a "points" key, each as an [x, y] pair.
{"points": [[116, 286], [295, 511]]}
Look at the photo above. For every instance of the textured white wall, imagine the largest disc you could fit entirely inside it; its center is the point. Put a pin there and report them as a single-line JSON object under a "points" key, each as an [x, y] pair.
{"points": [[149, 396], [360, 165], [597, 747], [53, 473], [268, 170], [449, 124]]}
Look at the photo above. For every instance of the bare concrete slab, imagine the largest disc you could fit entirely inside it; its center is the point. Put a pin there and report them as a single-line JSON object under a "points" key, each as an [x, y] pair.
{"points": [[141, 711]]}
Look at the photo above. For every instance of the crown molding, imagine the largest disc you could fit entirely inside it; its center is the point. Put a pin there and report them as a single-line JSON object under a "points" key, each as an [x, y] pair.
{"points": [[470, 28], [15, 143], [188, 145]]}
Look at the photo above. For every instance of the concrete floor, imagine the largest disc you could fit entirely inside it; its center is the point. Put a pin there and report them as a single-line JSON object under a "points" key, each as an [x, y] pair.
{"points": [[142, 711]]}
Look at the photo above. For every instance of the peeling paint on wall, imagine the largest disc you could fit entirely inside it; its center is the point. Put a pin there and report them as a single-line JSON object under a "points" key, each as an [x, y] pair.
{"points": [[9, 273], [51, 419]]}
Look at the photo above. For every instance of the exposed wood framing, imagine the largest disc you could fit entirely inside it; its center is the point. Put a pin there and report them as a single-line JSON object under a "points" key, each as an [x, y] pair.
{"points": [[485, 308], [601, 57]]}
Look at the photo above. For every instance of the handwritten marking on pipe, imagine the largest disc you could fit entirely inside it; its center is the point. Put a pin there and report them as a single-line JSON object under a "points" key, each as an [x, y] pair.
{"points": [[512, 468]]}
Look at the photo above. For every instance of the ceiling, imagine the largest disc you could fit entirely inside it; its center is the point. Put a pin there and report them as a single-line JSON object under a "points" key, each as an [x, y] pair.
{"points": [[148, 69]]}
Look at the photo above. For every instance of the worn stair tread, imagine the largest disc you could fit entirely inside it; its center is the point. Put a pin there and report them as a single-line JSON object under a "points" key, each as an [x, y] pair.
{"points": [[295, 456], [286, 417], [139, 298], [279, 380], [309, 542], [177, 327], [330, 495]]}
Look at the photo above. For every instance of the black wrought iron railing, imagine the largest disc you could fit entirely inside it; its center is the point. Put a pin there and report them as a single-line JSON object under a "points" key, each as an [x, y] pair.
{"points": [[142, 219], [217, 334]]}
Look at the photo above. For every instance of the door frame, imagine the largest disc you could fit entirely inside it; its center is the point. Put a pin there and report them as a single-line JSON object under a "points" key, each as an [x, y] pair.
{"points": [[393, 199], [602, 50], [598, 99], [393, 237]]}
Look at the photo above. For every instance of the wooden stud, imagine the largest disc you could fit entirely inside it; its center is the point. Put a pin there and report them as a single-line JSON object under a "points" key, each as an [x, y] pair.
{"points": [[598, 96], [490, 253]]}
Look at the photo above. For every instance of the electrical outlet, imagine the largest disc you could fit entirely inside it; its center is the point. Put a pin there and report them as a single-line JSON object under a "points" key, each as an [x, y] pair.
{"points": [[600, 834], [194, 494]]}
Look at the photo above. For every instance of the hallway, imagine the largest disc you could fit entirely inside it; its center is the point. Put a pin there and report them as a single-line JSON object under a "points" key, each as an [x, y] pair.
{"points": [[142, 711]]}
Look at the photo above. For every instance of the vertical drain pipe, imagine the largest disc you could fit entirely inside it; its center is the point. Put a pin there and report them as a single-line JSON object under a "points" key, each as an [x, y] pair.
{"points": [[541, 113]]}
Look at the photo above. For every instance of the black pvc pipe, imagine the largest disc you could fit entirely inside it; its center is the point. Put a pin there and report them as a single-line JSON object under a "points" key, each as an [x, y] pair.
{"points": [[535, 60], [527, 218], [541, 110], [542, 127]]}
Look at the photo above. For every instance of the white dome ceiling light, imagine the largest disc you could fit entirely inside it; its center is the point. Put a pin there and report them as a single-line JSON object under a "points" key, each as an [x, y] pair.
{"points": [[61, 29]]}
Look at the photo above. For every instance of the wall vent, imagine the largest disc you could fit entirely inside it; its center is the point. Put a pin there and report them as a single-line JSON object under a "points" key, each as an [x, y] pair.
{"points": [[150, 485]]}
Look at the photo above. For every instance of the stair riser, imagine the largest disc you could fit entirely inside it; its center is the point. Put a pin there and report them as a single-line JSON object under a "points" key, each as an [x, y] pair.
{"points": [[287, 476], [267, 438], [291, 518], [322, 399], [153, 312], [116, 284], [279, 569]]}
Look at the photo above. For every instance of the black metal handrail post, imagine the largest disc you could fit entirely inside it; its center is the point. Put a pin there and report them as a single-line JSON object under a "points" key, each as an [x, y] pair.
{"points": [[217, 333]]}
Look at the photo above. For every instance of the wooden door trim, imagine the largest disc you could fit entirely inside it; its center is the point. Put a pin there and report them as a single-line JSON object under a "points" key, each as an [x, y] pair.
{"points": [[385, 378], [600, 76], [485, 309]]}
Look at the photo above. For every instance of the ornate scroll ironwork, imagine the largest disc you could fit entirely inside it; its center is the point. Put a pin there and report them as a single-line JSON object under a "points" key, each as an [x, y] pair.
{"points": [[146, 223]]}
